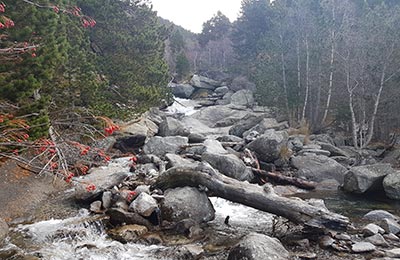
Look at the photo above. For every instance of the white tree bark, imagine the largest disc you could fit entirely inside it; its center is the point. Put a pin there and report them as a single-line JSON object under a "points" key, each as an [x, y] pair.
{"points": [[303, 116], [332, 61]]}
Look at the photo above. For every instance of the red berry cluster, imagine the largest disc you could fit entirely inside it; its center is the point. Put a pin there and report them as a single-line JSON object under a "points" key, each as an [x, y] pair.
{"points": [[69, 177], [2, 7], [131, 195], [90, 187], [88, 22], [110, 129]]}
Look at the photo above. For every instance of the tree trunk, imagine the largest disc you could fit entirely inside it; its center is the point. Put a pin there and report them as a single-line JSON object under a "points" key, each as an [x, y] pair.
{"points": [[332, 61], [284, 80], [259, 197], [298, 76], [303, 116]]}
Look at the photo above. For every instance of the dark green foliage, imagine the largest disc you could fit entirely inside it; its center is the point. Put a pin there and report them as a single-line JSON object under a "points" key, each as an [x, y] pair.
{"points": [[119, 61]]}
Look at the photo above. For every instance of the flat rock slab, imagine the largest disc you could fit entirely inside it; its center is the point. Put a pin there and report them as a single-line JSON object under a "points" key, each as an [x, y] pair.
{"points": [[363, 247]]}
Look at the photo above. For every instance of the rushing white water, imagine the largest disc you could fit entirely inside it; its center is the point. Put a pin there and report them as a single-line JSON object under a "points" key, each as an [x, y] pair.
{"points": [[182, 106], [240, 216], [80, 237]]}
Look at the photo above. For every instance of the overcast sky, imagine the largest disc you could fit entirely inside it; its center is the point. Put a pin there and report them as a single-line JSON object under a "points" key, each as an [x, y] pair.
{"points": [[191, 14]]}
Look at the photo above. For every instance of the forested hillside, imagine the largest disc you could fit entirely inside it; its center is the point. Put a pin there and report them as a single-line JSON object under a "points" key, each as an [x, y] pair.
{"points": [[322, 62], [114, 67]]}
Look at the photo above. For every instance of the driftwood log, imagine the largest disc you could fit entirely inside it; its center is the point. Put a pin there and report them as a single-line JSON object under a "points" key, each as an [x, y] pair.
{"points": [[259, 197], [285, 180]]}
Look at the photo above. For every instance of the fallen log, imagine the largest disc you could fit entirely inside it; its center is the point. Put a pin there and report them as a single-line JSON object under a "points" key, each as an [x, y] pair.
{"points": [[259, 197], [286, 180]]}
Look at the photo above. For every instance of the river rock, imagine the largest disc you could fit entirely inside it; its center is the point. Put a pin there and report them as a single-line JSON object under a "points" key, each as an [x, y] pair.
{"points": [[245, 124], [134, 135], [229, 165], [372, 229], [377, 215], [377, 240], [366, 178], [95, 206], [196, 138], [390, 226], [268, 146], [243, 97], [213, 114], [172, 127], [318, 168], [334, 151], [120, 217], [102, 178], [187, 202], [182, 90], [256, 246], [391, 185], [144, 204], [160, 146], [393, 253], [175, 160], [314, 151], [363, 247], [221, 91], [128, 233], [204, 82], [3, 230], [264, 125], [230, 138], [107, 199]]}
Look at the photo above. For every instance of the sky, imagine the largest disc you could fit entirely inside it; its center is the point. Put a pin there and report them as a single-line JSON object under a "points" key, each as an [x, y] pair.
{"points": [[191, 14]]}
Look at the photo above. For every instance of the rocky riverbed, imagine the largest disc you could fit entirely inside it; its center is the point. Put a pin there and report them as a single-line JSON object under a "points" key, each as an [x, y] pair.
{"points": [[131, 216]]}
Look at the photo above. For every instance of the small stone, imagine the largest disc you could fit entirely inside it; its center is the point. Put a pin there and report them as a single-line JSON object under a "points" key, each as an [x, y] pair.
{"points": [[128, 233], [377, 215], [393, 252], [194, 250], [326, 242], [142, 188], [96, 207], [303, 243], [392, 237], [344, 237], [107, 199], [307, 256], [390, 226], [372, 229], [144, 204], [363, 247], [377, 240]]}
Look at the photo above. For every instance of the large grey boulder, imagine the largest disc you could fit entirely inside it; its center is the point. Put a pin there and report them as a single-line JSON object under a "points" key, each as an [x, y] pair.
{"points": [[243, 98], [229, 165], [134, 135], [245, 124], [187, 203], [160, 146], [265, 124], [391, 185], [211, 115], [221, 91], [334, 151], [366, 178], [182, 90], [3, 230], [256, 246], [204, 82], [318, 168], [377, 215], [268, 146], [172, 127], [175, 160], [102, 178]]}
